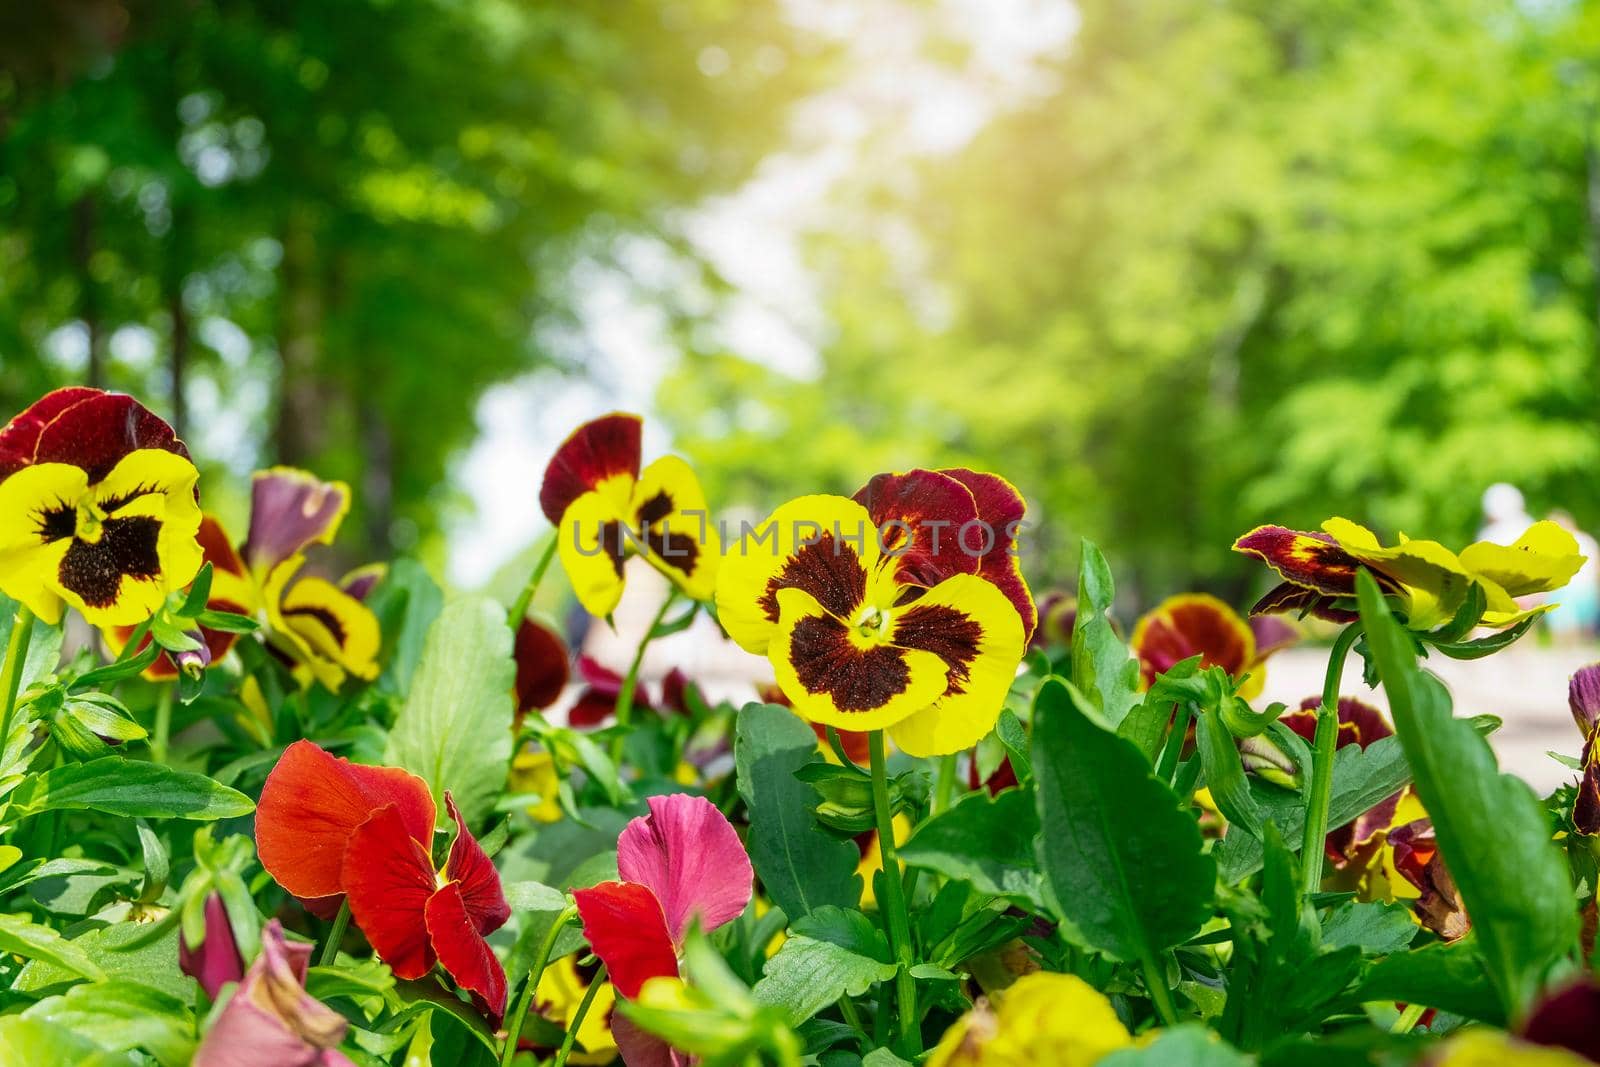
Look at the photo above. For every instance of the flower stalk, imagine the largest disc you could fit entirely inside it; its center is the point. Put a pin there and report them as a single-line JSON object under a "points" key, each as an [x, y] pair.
{"points": [[330, 947], [630, 683], [577, 1019], [894, 901], [519, 609], [1325, 743], [520, 1013], [11, 672]]}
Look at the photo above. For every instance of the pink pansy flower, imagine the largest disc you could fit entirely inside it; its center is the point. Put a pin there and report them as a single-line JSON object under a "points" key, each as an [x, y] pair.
{"points": [[271, 1019], [681, 864]]}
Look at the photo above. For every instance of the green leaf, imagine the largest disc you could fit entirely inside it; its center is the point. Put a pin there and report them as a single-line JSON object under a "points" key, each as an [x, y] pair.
{"points": [[1449, 976], [122, 1016], [1102, 669], [1219, 756], [802, 866], [1014, 736], [1123, 861], [807, 975], [1376, 929], [119, 786], [44, 644], [1190, 1045], [406, 602], [986, 842], [1491, 830], [40, 1043], [154, 964], [455, 728], [1361, 778], [35, 942]]}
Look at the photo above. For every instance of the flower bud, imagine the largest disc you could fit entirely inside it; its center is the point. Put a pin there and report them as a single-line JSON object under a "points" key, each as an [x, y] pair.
{"points": [[215, 961], [1583, 698]]}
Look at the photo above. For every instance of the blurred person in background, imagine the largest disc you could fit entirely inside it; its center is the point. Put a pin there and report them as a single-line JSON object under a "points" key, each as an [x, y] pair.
{"points": [[1505, 514], [1577, 611]]}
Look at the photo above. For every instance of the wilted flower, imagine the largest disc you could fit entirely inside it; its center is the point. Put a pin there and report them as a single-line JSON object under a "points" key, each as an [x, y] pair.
{"points": [[327, 826], [272, 1019], [1417, 859], [605, 510], [1428, 581], [1198, 624], [856, 639], [1043, 1017], [98, 508]]}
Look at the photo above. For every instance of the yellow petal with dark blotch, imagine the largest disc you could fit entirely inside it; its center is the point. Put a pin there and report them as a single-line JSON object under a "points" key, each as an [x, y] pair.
{"points": [[975, 630], [147, 544], [670, 514], [1542, 560], [38, 514], [825, 545], [1432, 579], [594, 542], [832, 677], [335, 626]]}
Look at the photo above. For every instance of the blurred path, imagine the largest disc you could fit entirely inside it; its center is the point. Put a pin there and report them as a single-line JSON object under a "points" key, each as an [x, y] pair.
{"points": [[1525, 685]]}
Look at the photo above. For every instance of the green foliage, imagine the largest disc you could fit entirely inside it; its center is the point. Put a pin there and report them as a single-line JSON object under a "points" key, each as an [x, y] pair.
{"points": [[802, 866], [1102, 669], [119, 786], [831, 953], [986, 842], [455, 728], [1182, 1046], [1491, 830], [1123, 862]]}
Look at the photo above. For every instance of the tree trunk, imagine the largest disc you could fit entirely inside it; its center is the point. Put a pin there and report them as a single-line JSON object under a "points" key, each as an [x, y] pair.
{"points": [[89, 309], [301, 399], [377, 480]]}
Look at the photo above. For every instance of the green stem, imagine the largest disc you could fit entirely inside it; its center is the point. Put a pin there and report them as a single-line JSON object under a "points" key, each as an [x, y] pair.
{"points": [[134, 645], [519, 609], [1323, 747], [1175, 739], [163, 731], [11, 672], [1155, 981], [945, 787], [577, 1019], [520, 1013], [1408, 1019], [850, 1013], [630, 683], [330, 947], [895, 905]]}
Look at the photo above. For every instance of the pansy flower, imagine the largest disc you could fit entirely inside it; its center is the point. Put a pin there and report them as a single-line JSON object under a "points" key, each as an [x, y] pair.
{"points": [[326, 826], [271, 1018], [605, 510], [320, 629], [98, 508], [542, 667], [1042, 1017], [1428, 581], [1198, 624], [1583, 699], [681, 865], [855, 637]]}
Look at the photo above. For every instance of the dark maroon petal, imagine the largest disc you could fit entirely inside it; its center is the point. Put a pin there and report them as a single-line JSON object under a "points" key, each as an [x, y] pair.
{"points": [[1568, 1018], [857, 679], [20, 437], [920, 516], [1313, 560], [542, 670], [95, 430], [1291, 599], [597, 450], [1586, 805], [1000, 512]]}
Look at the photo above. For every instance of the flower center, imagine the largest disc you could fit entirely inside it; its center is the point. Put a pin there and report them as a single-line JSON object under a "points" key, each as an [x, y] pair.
{"points": [[90, 524], [872, 625]]}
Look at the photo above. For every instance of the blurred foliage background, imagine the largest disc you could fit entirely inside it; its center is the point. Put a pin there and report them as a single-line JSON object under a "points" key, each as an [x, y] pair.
{"points": [[1217, 262]]}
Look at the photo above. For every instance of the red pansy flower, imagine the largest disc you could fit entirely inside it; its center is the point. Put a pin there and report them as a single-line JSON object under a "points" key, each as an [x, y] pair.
{"points": [[1198, 624], [327, 826]]}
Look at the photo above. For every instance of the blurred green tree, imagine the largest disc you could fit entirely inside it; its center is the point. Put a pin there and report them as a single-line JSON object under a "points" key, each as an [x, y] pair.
{"points": [[368, 206], [1248, 261]]}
